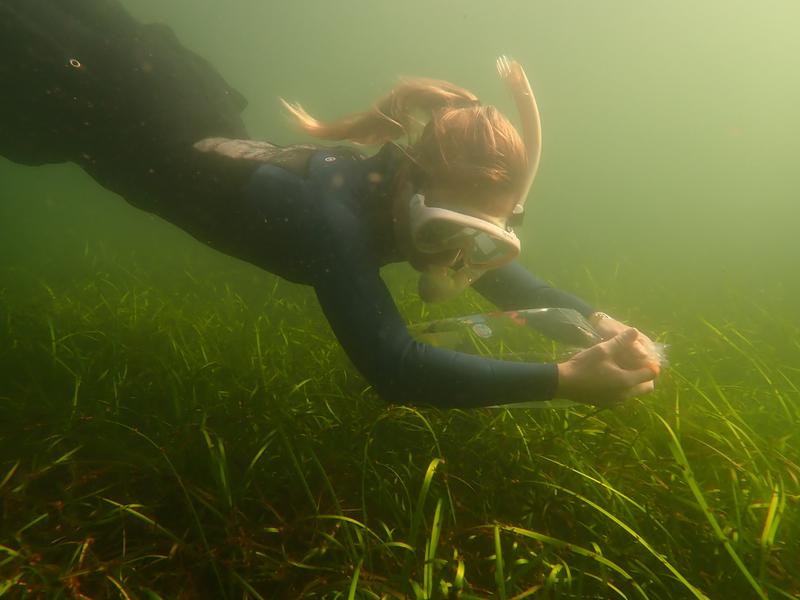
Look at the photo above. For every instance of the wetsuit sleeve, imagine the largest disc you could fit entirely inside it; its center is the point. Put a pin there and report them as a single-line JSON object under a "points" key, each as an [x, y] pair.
{"points": [[513, 287], [369, 327]]}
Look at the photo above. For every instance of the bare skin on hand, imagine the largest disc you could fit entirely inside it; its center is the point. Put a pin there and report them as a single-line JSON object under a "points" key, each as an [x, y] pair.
{"points": [[609, 372]]}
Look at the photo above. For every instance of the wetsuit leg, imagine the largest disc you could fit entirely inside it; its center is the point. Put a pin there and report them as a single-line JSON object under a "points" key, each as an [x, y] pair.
{"points": [[85, 82]]}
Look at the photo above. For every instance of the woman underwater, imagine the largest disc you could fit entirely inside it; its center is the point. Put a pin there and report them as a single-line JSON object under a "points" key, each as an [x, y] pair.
{"points": [[153, 122]]}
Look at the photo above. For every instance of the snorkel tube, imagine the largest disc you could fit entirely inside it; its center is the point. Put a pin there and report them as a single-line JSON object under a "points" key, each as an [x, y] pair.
{"points": [[512, 73], [438, 283]]}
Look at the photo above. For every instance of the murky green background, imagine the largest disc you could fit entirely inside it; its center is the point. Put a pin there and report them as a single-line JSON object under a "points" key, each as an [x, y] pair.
{"points": [[140, 369], [671, 130]]}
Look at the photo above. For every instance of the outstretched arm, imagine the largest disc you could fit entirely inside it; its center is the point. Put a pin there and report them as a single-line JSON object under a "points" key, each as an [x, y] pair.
{"points": [[369, 327], [513, 287], [402, 370]]}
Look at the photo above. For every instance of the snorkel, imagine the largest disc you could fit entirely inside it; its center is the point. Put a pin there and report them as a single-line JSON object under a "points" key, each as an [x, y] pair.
{"points": [[512, 73], [437, 282]]}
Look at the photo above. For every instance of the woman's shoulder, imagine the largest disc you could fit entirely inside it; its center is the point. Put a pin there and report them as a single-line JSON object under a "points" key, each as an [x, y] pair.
{"points": [[302, 160]]}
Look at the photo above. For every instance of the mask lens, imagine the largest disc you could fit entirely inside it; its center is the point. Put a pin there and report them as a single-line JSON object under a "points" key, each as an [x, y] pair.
{"points": [[482, 248], [487, 250], [443, 235], [438, 231]]}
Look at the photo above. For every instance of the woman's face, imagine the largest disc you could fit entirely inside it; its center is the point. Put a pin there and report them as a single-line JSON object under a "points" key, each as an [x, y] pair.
{"points": [[442, 198]]}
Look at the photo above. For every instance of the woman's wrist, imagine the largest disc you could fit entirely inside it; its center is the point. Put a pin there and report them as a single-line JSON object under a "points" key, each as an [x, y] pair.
{"points": [[564, 370]]}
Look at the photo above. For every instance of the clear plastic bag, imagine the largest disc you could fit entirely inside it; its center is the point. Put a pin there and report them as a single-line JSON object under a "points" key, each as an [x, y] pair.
{"points": [[529, 335]]}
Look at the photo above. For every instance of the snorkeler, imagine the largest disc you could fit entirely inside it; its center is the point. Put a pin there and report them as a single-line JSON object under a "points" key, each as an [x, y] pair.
{"points": [[84, 82]]}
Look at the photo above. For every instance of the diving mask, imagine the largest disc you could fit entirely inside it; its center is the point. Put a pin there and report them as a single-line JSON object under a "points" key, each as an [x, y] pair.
{"points": [[475, 242]]}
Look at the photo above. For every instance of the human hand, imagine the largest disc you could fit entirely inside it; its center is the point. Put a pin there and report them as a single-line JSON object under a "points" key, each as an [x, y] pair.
{"points": [[608, 372], [607, 327]]}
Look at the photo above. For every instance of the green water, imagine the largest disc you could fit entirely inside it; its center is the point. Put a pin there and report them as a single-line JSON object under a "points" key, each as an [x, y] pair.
{"points": [[176, 423]]}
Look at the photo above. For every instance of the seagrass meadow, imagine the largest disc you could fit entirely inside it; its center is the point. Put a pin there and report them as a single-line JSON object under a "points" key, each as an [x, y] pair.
{"points": [[177, 424]]}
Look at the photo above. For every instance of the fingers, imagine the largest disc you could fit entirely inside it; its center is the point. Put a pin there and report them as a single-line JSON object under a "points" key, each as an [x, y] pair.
{"points": [[635, 377], [626, 352], [628, 336], [609, 372], [610, 400], [654, 366], [633, 356], [639, 389], [630, 351], [620, 342]]}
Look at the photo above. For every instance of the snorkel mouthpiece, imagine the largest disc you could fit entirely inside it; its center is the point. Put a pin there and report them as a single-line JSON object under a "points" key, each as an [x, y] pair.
{"points": [[438, 284]]}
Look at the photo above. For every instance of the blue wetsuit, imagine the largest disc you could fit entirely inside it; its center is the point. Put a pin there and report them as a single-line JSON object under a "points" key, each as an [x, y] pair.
{"points": [[325, 230], [87, 83]]}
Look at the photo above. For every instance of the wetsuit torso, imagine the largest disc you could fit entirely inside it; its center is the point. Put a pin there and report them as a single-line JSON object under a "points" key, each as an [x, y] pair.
{"points": [[89, 84], [326, 230]]}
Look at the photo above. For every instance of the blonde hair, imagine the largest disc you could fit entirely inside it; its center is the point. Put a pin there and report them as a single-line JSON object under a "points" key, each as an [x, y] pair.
{"points": [[464, 146]]}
